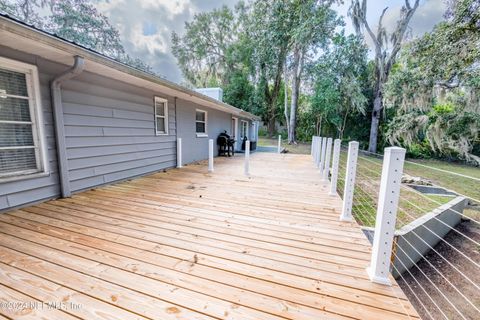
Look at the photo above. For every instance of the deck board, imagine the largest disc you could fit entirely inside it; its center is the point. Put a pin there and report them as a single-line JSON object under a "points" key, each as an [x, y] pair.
{"points": [[187, 244]]}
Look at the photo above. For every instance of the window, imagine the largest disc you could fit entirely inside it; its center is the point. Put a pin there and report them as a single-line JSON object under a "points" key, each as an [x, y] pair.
{"points": [[201, 123], [21, 128], [244, 132], [161, 116]]}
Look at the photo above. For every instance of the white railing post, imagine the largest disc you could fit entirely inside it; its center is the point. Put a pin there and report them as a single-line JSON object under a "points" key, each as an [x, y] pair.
{"points": [[322, 155], [179, 152], [279, 149], [247, 157], [327, 159], [392, 171], [210, 155], [318, 147], [349, 181], [335, 163], [312, 145]]}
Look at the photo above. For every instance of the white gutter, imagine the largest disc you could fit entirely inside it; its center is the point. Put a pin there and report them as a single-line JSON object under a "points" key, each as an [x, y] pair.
{"points": [[56, 94], [55, 43]]}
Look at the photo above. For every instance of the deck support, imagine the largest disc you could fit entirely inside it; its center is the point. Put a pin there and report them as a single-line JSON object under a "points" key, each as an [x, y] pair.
{"points": [[247, 158], [335, 163], [327, 160], [210, 155], [349, 181], [179, 152], [392, 171]]}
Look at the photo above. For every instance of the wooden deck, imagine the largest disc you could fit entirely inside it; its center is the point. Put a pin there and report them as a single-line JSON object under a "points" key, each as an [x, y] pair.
{"points": [[185, 244]]}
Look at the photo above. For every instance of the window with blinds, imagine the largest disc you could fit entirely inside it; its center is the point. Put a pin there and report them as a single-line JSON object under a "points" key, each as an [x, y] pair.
{"points": [[161, 116], [19, 144]]}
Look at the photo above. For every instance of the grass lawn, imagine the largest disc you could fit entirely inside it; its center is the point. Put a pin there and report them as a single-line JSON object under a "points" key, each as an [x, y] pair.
{"points": [[300, 148], [412, 204]]}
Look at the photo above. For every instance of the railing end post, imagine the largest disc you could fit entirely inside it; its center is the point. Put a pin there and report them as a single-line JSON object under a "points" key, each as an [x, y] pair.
{"points": [[386, 218]]}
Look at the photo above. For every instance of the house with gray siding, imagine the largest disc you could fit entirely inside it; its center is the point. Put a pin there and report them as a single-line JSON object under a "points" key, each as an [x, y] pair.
{"points": [[72, 119]]}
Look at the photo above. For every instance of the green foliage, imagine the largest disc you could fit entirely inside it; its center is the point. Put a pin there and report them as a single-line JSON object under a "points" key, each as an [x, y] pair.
{"points": [[340, 83], [420, 150], [442, 109], [203, 51], [79, 21], [74, 20], [240, 92], [245, 50], [434, 89]]}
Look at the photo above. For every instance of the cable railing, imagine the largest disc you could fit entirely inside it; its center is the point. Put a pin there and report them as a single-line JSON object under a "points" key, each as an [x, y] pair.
{"points": [[419, 238]]}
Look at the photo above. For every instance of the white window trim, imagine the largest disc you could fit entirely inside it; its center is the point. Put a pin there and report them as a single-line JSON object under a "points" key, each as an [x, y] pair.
{"points": [[38, 128], [241, 129], [201, 134], [165, 117]]}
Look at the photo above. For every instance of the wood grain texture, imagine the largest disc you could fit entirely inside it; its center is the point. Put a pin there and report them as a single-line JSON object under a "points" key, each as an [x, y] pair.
{"points": [[188, 244]]}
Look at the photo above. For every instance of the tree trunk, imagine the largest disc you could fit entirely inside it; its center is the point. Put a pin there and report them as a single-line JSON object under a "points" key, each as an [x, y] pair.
{"points": [[271, 126], [272, 95], [318, 125], [377, 109], [344, 124], [384, 61], [297, 71], [285, 109]]}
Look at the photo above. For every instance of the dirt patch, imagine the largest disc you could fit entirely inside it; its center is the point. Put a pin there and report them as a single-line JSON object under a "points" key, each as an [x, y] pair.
{"points": [[456, 280]]}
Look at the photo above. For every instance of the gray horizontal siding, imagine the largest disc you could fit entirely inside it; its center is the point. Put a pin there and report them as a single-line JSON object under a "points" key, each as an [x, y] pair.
{"points": [[110, 132], [21, 192], [77, 153], [195, 149]]}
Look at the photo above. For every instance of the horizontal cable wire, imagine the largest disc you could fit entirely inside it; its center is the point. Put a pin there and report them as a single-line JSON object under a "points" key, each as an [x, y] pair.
{"points": [[436, 202], [422, 209], [432, 168], [362, 211], [438, 236], [445, 297], [446, 260], [420, 285]]}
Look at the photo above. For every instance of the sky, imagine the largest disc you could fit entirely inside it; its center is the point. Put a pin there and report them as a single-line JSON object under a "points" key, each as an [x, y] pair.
{"points": [[146, 26]]}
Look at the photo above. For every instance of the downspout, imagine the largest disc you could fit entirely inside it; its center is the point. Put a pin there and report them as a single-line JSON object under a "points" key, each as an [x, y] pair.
{"points": [[56, 95]]}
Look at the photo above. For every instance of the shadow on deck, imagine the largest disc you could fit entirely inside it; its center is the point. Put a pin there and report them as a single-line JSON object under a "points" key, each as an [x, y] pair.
{"points": [[186, 244]]}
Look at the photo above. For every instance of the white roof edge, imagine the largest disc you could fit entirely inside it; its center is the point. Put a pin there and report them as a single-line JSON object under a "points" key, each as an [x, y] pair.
{"points": [[31, 33]]}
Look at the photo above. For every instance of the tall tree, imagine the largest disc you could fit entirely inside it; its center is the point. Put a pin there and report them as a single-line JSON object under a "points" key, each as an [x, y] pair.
{"points": [[385, 55], [202, 51], [75, 20], [339, 77], [435, 88], [311, 24], [267, 27], [79, 21]]}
